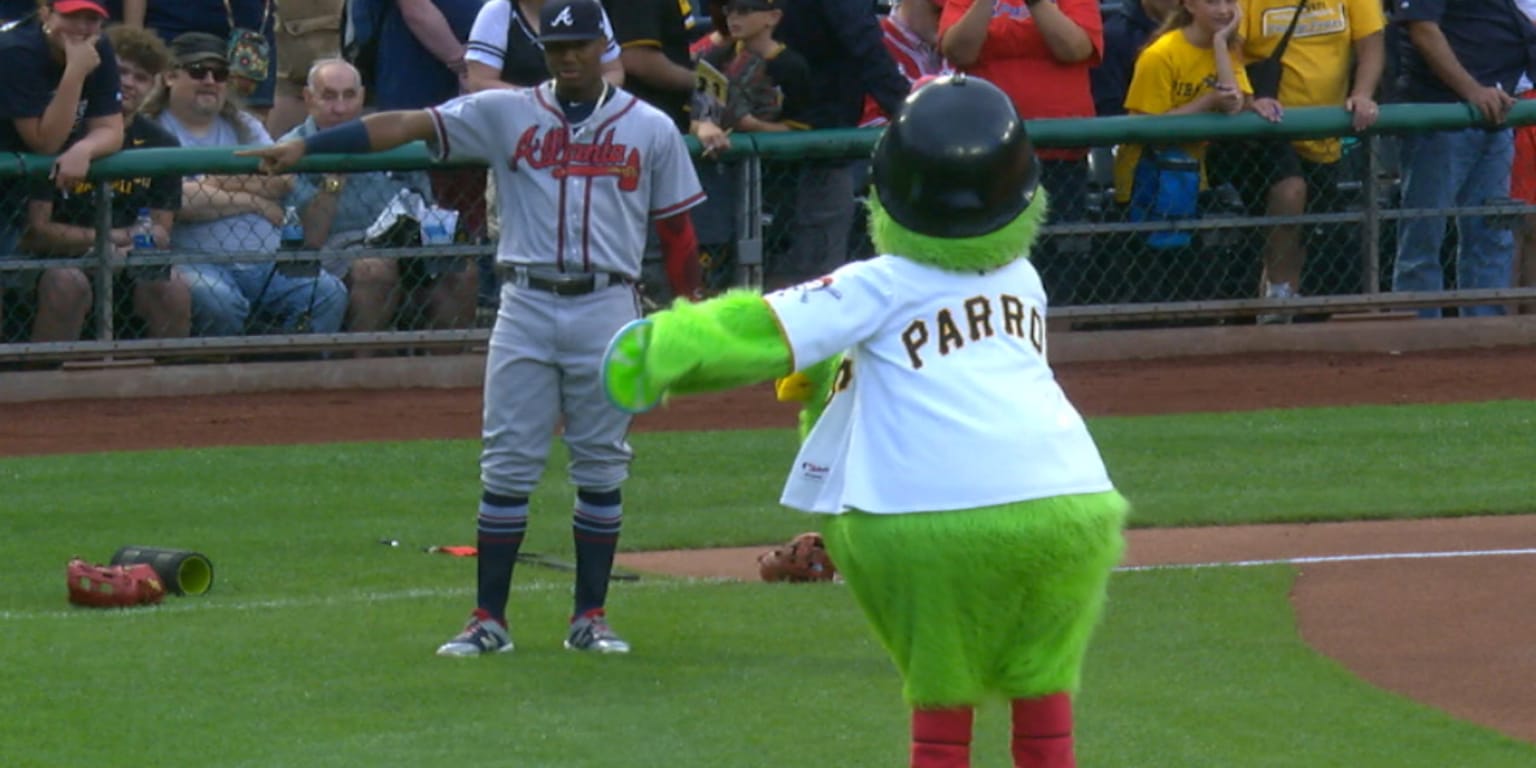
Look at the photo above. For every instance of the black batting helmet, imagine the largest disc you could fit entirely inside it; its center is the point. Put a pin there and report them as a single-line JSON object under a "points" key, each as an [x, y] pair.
{"points": [[956, 161]]}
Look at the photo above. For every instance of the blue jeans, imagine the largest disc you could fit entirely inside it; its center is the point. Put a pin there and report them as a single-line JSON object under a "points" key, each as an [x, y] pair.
{"points": [[1446, 169], [226, 296]]}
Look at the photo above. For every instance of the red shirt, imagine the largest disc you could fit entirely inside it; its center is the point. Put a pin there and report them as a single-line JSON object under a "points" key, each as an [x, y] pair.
{"points": [[914, 58], [1015, 58]]}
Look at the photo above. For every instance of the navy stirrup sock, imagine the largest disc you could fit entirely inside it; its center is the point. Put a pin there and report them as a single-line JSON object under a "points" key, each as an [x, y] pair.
{"points": [[500, 527], [595, 528]]}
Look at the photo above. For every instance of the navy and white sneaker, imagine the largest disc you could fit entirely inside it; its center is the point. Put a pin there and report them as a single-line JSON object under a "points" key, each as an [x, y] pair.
{"points": [[590, 632], [482, 634]]}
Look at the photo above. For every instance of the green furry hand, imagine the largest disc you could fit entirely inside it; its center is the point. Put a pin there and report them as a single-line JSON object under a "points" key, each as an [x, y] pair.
{"points": [[626, 381], [722, 343]]}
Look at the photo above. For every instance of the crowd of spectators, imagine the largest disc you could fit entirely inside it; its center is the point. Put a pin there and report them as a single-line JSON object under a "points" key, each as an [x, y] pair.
{"points": [[87, 78]]}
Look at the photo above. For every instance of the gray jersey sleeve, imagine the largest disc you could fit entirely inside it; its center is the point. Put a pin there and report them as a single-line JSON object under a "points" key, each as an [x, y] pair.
{"points": [[675, 187], [467, 127]]}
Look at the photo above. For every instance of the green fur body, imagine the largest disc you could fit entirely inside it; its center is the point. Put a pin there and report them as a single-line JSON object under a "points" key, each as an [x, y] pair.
{"points": [[993, 602]]}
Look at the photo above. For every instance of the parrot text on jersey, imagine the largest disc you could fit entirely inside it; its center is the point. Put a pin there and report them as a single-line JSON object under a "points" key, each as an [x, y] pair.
{"points": [[1018, 320]]}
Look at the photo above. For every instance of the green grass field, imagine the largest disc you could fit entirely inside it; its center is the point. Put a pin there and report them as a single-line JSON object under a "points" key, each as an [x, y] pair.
{"points": [[314, 647]]}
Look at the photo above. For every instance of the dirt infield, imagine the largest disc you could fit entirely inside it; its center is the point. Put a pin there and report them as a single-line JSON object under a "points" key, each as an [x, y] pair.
{"points": [[1439, 628]]}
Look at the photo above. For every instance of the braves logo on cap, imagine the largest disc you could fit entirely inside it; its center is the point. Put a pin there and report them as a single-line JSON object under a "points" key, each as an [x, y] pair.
{"points": [[563, 19]]}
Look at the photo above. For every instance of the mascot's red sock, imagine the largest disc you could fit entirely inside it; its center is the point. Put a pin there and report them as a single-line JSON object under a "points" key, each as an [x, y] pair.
{"points": [[1042, 732], [941, 738]]}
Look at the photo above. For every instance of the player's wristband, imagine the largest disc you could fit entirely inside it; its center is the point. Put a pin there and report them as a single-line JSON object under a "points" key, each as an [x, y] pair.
{"points": [[349, 138]]}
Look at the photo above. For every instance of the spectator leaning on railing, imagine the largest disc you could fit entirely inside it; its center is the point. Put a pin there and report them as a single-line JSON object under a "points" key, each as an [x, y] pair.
{"points": [[63, 222], [1289, 178], [338, 208], [1191, 67], [58, 95], [1472, 51], [233, 214]]}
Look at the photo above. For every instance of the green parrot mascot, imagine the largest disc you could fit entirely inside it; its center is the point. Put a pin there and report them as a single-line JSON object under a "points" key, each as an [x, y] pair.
{"points": [[966, 504]]}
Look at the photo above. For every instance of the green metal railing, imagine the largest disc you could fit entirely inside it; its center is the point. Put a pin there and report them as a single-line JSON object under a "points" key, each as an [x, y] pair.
{"points": [[748, 152]]}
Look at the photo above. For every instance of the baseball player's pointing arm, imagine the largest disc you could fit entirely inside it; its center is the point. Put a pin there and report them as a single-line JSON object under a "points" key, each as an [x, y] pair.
{"points": [[374, 133]]}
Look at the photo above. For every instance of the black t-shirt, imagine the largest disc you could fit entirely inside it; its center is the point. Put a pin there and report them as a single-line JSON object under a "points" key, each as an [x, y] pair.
{"points": [[779, 91], [1493, 42], [159, 193], [655, 23], [32, 75], [523, 61]]}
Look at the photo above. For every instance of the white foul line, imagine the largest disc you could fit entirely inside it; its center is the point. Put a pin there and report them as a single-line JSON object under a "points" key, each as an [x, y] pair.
{"points": [[317, 601], [412, 594], [1332, 559]]}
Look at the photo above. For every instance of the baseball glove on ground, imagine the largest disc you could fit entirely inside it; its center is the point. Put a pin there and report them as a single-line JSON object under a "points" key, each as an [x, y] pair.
{"points": [[113, 586], [804, 558]]}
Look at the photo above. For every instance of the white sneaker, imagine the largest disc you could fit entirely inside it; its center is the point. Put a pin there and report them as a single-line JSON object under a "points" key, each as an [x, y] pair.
{"points": [[482, 634], [592, 633], [1276, 291]]}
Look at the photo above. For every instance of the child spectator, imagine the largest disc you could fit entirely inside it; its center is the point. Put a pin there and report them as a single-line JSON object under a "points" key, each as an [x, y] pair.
{"points": [[1191, 67], [768, 90], [769, 83]]}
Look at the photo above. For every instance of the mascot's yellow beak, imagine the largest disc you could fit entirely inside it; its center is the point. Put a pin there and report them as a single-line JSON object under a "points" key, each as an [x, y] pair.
{"points": [[794, 388]]}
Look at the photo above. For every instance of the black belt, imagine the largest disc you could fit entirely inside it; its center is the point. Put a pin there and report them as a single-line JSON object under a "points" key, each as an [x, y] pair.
{"points": [[579, 284]]}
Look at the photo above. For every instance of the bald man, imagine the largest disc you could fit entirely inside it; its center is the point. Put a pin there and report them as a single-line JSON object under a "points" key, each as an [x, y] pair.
{"points": [[337, 208]]}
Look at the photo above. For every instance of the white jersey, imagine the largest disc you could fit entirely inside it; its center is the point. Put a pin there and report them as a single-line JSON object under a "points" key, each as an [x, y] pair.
{"points": [[945, 399], [572, 197]]}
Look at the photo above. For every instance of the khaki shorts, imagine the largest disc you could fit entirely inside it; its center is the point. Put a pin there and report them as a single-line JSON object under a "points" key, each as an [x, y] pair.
{"points": [[307, 31]]}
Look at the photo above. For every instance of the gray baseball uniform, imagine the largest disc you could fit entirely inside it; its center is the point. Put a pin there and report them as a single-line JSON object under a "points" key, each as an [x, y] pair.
{"points": [[576, 200]]}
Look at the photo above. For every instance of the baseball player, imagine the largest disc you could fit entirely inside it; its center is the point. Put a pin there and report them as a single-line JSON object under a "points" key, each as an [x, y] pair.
{"points": [[584, 168], [968, 509]]}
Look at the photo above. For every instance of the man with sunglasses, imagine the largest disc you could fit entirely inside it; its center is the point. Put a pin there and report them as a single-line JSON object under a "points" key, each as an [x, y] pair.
{"points": [[234, 214], [59, 96]]}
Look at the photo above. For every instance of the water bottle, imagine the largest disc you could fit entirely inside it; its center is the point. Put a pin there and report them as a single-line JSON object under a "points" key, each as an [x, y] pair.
{"points": [[292, 237], [144, 232], [144, 245]]}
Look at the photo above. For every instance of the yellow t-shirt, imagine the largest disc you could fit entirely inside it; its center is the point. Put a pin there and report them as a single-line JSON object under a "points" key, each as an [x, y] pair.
{"points": [[1317, 60], [1170, 72]]}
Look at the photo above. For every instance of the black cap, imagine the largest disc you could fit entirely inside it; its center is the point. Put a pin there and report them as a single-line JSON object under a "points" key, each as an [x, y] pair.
{"points": [[562, 20], [752, 5], [195, 47]]}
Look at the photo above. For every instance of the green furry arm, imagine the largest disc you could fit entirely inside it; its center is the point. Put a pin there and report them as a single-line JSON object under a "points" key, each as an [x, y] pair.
{"points": [[729, 341]]}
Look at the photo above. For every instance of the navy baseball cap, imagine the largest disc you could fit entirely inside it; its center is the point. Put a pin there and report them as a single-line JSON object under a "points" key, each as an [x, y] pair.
{"points": [[748, 6], [562, 20]]}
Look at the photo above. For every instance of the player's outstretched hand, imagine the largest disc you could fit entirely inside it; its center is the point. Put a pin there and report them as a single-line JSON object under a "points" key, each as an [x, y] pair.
{"points": [[277, 157]]}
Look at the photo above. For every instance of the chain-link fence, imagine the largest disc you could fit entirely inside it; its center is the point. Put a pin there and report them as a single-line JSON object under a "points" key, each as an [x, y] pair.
{"points": [[173, 252]]}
